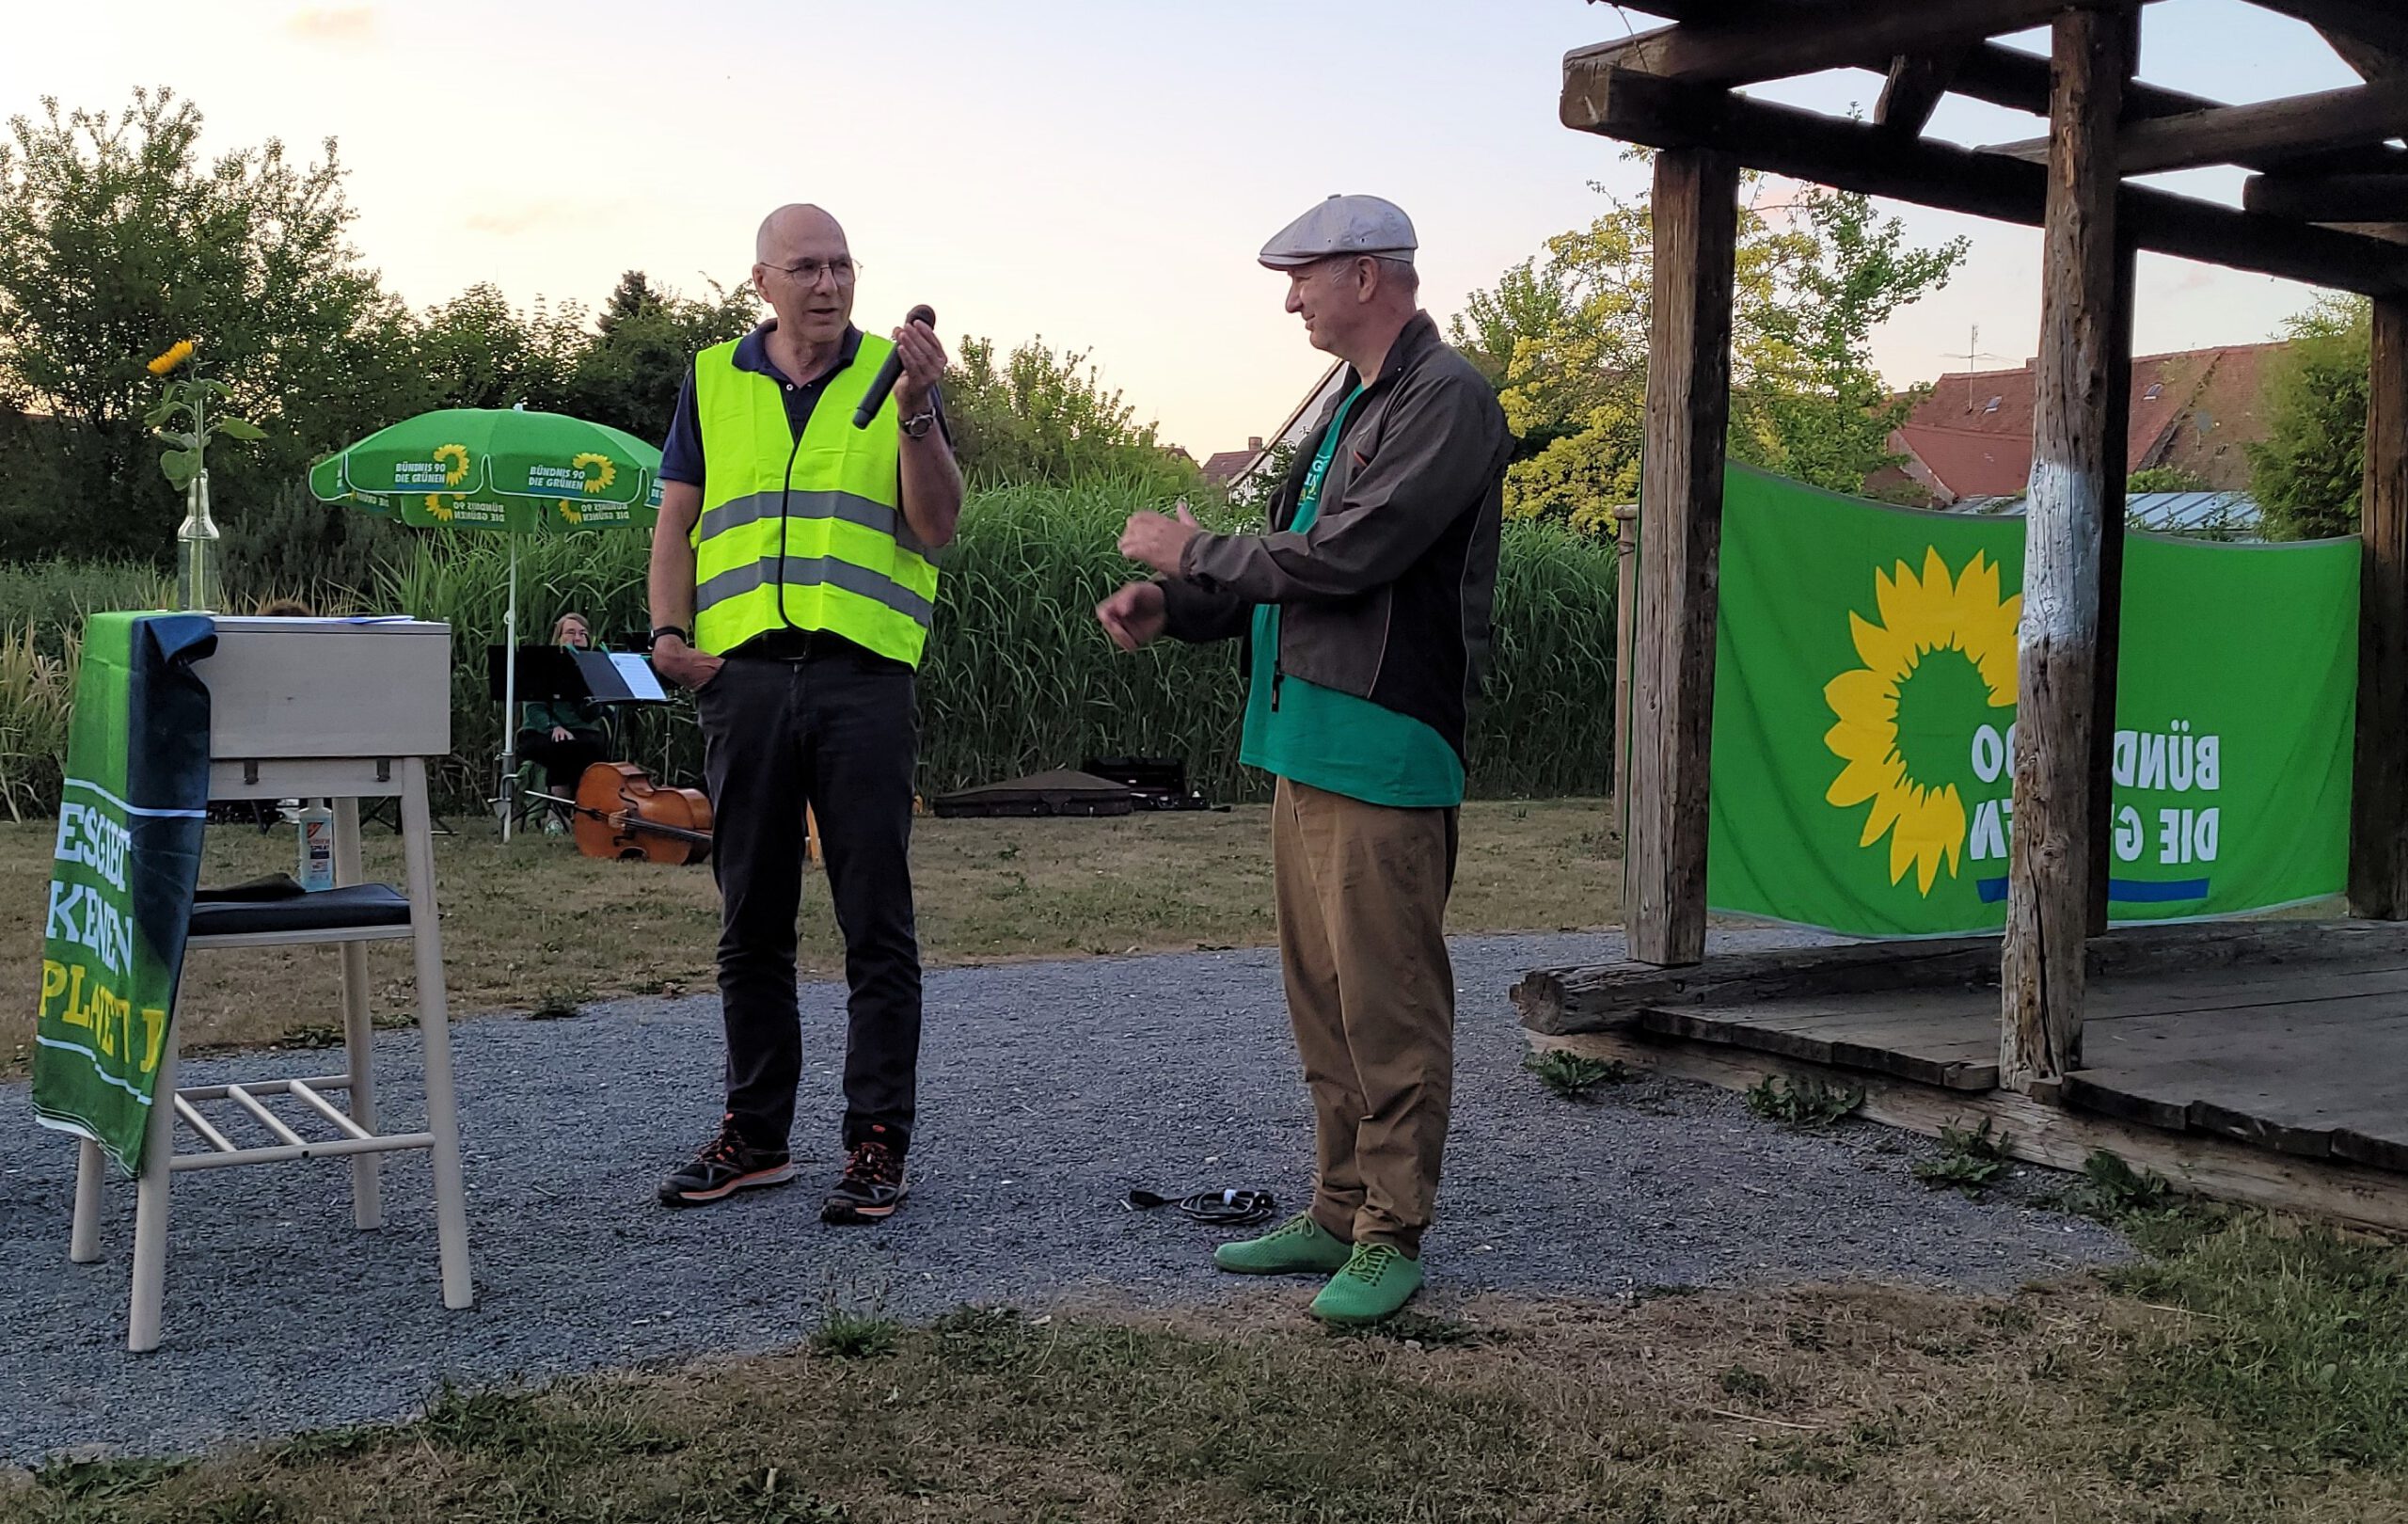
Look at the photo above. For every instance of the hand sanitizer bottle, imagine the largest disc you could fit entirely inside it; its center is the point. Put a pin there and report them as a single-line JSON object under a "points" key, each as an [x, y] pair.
{"points": [[317, 847]]}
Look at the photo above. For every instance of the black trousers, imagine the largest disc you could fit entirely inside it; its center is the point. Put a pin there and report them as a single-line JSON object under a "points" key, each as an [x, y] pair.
{"points": [[840, 732], [564, 761]]}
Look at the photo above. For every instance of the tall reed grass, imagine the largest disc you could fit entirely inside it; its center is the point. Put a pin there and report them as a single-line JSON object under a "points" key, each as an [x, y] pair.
{"points": [[50, 599], [1018, 677], [37, 704]]}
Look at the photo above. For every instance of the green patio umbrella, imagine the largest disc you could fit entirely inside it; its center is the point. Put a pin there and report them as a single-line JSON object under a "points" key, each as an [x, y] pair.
{"points": [[509, 470]]}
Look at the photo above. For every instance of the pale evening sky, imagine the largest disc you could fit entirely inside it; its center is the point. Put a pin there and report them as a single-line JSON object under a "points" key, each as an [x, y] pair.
{"points": [[1098, 172]]}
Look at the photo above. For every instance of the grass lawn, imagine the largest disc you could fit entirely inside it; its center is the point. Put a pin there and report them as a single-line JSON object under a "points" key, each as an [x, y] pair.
{"points": [[535, 924], [2245, 1372]]}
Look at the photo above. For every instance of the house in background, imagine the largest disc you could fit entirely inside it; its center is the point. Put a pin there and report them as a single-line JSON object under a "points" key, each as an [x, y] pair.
{"points": [[1220, 464], [1971, 439], [1242, 472]]}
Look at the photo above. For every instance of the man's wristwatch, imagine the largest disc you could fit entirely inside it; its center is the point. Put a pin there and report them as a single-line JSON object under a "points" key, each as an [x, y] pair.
{"points": [[919, 423], [672, 630]]}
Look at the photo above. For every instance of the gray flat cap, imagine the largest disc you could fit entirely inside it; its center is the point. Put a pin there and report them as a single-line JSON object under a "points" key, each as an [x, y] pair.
{"points": [[1343, 225]]}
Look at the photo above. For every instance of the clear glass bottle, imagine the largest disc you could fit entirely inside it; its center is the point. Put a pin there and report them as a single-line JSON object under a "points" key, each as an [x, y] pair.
{"points": [[196, 553]]}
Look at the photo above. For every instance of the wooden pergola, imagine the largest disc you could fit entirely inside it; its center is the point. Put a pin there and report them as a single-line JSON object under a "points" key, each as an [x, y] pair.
{"points": [[2327, 205]]}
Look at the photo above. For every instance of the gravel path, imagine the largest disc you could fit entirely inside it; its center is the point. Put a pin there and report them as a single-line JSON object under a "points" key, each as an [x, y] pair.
{"points": [[1048, 1089]]}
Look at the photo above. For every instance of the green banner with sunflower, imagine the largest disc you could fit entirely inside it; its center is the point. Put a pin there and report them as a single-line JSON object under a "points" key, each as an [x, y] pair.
{"points": [[1864, 706]]}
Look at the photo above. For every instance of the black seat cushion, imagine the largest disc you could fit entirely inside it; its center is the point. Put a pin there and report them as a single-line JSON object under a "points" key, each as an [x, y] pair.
{"points": [[328, 910]]}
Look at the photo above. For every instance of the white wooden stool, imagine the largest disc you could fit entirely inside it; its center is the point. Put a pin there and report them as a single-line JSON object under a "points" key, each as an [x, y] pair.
{"points": [[314, 709]]}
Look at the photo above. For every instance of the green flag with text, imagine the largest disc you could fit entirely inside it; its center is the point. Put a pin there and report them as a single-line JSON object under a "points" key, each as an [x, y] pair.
{"points": [[122, 873], [1864, 708]]}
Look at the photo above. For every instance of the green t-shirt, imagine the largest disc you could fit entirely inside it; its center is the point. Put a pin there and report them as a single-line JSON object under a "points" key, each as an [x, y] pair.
{"points": [[1324, 738]]}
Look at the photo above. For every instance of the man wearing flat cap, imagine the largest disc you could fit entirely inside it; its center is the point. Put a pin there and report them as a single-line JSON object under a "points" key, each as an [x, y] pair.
{"points": [[1366, 608]]}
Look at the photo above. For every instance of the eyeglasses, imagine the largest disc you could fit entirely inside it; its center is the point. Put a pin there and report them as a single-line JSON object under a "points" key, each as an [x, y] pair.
{"points": [[841, 271]]}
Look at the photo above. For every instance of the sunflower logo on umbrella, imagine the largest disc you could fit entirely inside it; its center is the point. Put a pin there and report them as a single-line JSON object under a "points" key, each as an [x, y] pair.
{"points": [[599, 471], [1934, 628]]}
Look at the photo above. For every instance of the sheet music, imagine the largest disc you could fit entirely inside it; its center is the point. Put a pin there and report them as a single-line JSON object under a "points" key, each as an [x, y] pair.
{"points": [[637, 674]]}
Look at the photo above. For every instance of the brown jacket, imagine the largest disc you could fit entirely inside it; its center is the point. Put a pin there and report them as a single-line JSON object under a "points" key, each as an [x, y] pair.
{"points": [[1388, 595]]}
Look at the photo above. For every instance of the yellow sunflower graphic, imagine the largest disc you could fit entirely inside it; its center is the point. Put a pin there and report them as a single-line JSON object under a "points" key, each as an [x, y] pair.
{"points": [[436, 508], [569, 512], [601, 472], [457, 472], [1920, 615]]}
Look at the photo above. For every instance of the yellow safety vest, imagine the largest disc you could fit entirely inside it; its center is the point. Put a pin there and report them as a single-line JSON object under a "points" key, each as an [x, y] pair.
{"points": [[804, 534]]}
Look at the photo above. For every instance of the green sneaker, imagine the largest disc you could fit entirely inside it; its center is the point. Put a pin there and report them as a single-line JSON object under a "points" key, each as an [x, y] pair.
{"points": [[1297, 1247], [1376, 1283]]}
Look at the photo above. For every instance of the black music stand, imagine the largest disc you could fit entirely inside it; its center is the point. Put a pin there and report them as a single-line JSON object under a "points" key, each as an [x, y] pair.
{"points": [[565, 674]]}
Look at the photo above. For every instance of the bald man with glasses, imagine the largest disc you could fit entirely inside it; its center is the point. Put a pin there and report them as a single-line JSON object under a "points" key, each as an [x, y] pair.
{"points": [[792, 590]]}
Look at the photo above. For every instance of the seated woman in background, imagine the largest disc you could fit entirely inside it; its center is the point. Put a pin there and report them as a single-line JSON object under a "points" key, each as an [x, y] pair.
{"points": [[566, 737]]}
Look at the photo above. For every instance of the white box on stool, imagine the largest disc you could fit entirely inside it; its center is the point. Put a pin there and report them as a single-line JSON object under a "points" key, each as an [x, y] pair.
{"points": [[329, 688]]}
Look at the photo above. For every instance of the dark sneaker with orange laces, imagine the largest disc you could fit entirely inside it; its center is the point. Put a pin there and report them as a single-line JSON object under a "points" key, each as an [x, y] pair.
{"points": [[871, 1188], [726, 1165]]}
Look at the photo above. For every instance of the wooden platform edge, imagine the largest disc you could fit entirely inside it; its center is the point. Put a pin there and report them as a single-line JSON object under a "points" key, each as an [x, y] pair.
{"points": [[2043, 1135], [1605, 998]]}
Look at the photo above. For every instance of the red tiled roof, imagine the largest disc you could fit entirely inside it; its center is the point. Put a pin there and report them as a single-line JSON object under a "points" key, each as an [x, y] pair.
{"points": [[1968, 463], [1222, 465], [1972, 435], [2225, 413]]}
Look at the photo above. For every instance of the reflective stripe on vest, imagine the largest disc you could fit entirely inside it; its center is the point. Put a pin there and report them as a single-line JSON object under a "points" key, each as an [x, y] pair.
{"points": [[804, 534]]}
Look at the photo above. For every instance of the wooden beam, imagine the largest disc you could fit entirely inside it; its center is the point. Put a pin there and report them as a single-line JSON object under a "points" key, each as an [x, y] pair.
{"points": [[1772, 47], [2010, 78], [2369, 61], [2051, 1135], [2328, 197], [2372, 63], [2268, 132], [1601, 997], [2379, 791], [2378, 23], [1680, 541], [1916, 86], [1855, 156], [2018, 80], [2048, 886]]}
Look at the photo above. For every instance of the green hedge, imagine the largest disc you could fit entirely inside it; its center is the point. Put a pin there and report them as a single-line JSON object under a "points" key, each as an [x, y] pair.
{"points": [[1018, 675]]}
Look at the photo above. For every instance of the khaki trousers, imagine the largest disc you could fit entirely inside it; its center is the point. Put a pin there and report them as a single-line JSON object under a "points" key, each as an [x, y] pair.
{"points": [[1362, 895]]}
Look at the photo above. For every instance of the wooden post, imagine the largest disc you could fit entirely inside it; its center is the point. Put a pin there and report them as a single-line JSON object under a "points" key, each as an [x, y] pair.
{"points": [[2115, 486], [1626, 602], [2048, 916], [2378, 795], [2113, 489], [1680, 517]]}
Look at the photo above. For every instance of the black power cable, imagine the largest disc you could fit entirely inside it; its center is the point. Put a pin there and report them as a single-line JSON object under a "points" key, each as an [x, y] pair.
{"points": [[1215, 1209]]}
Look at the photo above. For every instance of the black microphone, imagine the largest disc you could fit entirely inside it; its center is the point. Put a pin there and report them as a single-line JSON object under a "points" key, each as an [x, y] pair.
{"points": [[889, 372]]}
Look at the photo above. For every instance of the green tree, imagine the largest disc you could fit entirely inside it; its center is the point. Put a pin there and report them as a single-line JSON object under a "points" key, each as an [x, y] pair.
{"points": [[116, 240], [2165, 478], [1809, 404], [646, 337], [477, 350], [1565, 338], [1037, 416], [2309, 473]]}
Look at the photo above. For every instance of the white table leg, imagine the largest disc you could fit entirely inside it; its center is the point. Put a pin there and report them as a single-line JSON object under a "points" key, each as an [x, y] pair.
{"points": [[150, 1208], [434, 1022], [358, 1029], [91, 1173]]}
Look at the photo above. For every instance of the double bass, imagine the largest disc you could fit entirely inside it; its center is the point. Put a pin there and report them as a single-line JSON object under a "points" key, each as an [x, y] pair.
{"points": [[621, 814]]}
